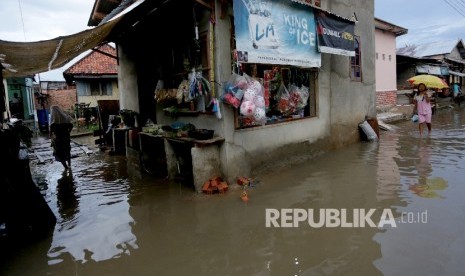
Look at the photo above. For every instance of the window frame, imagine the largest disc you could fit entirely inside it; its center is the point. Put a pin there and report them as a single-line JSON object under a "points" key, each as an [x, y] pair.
{"points": [[356, 62], [89, 88], [310, 111]]}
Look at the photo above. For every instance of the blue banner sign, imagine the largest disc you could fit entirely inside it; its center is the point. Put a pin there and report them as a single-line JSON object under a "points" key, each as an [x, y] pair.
{"points": [[275, 32]]}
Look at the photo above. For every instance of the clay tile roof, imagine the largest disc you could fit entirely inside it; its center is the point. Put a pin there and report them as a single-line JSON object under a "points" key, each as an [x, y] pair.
{"points": [[95, 63]]}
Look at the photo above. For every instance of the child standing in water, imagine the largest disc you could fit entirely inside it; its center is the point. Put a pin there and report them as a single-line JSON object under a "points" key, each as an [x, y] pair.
{"points": [[422, 106]]}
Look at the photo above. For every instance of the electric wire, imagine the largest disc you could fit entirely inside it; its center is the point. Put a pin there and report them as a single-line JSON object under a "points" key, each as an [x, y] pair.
{"points": [[462, 3], [22, 19], [455, 7]]}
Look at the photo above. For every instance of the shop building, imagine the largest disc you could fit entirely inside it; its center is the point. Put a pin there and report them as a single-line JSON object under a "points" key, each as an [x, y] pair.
{"points": [[170, 40], [323, 49]]}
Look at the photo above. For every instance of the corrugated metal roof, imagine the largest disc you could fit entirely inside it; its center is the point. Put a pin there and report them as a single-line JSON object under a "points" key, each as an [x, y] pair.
{"points": [[456, 73], [428, 49], [317, 7], [455, 60], [386, 26], [100, 9]]}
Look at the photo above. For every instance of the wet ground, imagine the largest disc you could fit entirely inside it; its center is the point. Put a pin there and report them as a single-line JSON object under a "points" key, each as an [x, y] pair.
{"points": [[112, 221]]}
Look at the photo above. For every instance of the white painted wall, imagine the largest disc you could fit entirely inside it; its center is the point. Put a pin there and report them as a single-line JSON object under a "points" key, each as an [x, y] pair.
{"points": [[385, 46]]}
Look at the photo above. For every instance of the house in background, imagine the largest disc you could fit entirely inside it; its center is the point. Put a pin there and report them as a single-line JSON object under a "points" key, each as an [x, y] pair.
{"points": [[445, 59], [20, 97], [30, 101], [95, 76], [59, 93], [385, 62]]}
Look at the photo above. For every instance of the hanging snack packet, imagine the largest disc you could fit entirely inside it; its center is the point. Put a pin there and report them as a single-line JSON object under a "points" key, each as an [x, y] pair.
{"points": [[234, 90], [283, 100]]}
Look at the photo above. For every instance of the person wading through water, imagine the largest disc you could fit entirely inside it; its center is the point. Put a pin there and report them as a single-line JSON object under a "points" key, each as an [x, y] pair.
{"points": [[422, 107], [60, 129]]}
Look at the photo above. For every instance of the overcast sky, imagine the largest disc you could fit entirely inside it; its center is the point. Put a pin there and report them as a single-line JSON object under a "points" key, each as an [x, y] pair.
{"points": [[426, 20], [42, 20]]}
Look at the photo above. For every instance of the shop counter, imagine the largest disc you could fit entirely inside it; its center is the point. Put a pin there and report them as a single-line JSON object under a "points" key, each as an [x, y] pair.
{"points": [[182, 158]]}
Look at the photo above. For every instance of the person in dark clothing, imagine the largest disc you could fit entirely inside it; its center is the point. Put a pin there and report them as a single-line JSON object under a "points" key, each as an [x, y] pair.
{"points": [[16, 106], [60, 129]]}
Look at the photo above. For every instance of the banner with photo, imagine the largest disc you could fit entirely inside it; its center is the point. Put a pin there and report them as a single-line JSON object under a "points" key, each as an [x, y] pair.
{"points": [[275, 32], [335, 34]]}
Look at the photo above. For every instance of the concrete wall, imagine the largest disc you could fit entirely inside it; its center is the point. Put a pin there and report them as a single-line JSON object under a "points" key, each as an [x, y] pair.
{"points": [[351, 101], [127, 80]]}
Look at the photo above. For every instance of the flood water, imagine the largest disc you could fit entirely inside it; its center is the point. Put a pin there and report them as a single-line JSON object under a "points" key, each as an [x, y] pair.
{"points": [[112, 221]]}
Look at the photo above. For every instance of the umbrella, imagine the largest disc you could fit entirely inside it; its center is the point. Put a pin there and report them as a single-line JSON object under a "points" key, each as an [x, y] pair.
{"points": [[429, 80]]}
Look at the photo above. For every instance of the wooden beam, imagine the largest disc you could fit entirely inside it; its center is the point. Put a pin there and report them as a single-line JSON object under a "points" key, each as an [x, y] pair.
{"points": [[104, 53], [98, 15], [205, 4]]}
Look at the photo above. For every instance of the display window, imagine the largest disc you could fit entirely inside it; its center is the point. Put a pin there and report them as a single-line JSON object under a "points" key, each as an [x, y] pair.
{"points": [[269, 94]]}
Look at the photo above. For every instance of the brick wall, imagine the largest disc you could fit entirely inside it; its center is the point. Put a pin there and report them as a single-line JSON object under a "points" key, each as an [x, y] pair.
{"points": [[64, 98], [384, 98]]}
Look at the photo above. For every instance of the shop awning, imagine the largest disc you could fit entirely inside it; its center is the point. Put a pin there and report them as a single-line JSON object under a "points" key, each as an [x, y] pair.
{"points": [[22, 59], [456, 73]]}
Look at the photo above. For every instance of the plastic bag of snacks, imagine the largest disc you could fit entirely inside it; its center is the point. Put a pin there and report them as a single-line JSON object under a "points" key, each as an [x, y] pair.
{"points": [[283, 99], [234, 88], [253, 103], [298, 97]]}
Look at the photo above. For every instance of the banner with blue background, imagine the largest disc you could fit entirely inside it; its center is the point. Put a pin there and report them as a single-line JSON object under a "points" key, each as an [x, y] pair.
{"points": [[275, 32]]}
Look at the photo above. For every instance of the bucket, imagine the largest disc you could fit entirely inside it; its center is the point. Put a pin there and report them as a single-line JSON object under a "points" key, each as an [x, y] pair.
{"points": [[42, 118]]}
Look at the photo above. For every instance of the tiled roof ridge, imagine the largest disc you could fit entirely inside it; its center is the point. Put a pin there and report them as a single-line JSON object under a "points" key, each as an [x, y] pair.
{"points": [[95, 63]]}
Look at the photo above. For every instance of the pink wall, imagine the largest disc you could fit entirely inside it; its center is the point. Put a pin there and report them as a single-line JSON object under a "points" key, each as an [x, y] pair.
{"points": [[385, 44]]}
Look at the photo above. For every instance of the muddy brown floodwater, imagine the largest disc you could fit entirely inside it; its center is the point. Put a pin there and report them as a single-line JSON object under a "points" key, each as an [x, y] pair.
{"points": [[112, 221]]}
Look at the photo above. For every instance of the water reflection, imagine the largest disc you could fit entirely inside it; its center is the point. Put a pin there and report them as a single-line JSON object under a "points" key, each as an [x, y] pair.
{"points": [[423, 165], [67, 199], [94, 223], [113, 224], [430, 187], [426, 186], [431, 242]]}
